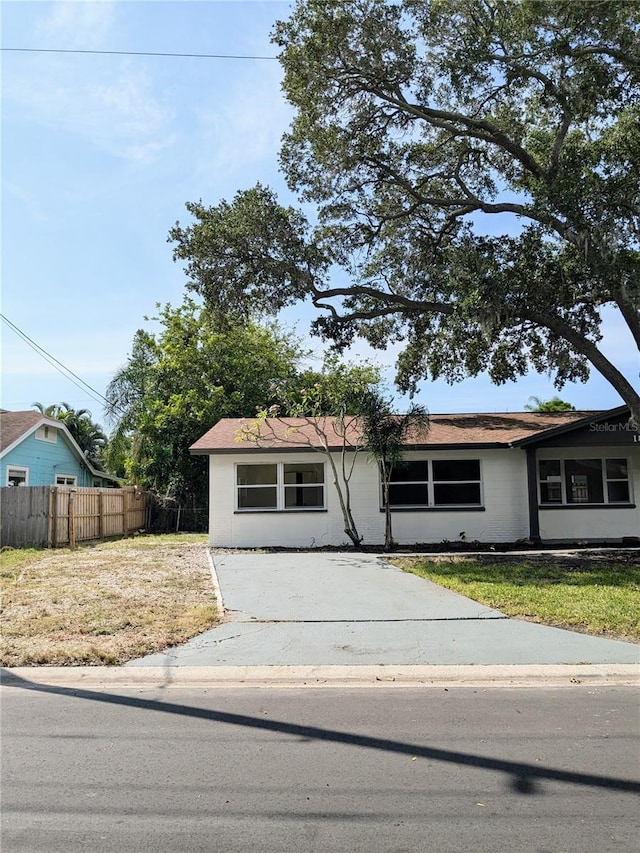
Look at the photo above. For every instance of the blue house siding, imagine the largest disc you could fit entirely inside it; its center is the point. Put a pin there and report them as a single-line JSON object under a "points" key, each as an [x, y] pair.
{"points": [[45, 460]]}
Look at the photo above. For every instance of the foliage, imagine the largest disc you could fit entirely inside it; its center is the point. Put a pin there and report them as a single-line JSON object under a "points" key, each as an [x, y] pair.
{"points": [[178, 382], [555, 404], [329, 403], [475, 166], [385, 435], [88, 435]]}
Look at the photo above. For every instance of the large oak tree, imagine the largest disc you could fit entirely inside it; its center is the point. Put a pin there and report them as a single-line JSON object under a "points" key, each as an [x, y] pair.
{"points": [[475, 166]]}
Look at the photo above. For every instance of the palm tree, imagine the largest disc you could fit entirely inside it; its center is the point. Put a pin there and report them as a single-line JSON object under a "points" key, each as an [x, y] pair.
{"points": [[386, 434], [87, 434]]}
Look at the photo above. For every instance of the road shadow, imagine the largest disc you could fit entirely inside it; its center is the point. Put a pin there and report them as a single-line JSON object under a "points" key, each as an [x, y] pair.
{"points": [[522, 778]]}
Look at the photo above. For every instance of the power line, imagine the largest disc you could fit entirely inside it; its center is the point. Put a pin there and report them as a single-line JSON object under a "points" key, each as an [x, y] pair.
{"points": [[58, 365], [134, 53]]}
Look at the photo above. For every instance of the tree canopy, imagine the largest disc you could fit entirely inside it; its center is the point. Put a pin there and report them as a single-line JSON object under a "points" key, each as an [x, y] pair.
{"points": [[555, 404], [178, 382], [475, 167], [197, 368]]}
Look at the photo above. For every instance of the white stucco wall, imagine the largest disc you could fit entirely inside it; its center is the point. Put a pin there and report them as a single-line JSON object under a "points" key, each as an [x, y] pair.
{"points": [[504, 518]]}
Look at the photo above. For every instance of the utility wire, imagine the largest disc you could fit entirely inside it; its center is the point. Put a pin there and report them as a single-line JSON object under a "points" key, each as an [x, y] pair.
{"points": [[134, 53], [58, 365]]}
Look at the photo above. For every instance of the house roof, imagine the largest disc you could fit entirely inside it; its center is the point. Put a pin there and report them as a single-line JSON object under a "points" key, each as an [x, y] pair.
{"points": [[16, 426], [239, 435]]}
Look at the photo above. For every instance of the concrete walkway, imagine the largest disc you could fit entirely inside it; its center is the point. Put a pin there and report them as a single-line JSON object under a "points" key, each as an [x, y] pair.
{"points": [[330, 609]]}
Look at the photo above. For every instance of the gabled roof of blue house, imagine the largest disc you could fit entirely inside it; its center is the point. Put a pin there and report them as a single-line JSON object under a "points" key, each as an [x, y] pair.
{"points": [[15, 427]]}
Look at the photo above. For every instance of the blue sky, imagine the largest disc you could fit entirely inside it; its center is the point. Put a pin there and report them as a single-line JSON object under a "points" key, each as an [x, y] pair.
{"points": [[100, 154]]}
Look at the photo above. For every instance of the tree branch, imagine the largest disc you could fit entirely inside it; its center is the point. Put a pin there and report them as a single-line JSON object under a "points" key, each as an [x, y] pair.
{"points": [[590, 351]]}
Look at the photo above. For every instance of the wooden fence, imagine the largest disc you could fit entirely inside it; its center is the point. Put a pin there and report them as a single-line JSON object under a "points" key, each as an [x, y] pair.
{"points": [[54, 516]]}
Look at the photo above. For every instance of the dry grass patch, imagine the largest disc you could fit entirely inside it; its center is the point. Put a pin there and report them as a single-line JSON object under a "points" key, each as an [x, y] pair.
{"points": [[105, 603]]}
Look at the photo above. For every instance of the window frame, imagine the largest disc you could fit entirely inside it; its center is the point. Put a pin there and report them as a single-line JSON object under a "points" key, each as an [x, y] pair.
{"points": [[561, 480], [431, 485], [282, 488], [47, 433], [71, 477], [18, 468]]}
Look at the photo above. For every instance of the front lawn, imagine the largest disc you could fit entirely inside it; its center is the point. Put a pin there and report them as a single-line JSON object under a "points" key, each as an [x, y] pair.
{"points": [[104, 603], [595, 594]]}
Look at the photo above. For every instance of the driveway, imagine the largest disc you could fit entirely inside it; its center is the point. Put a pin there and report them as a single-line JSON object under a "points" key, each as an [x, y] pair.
{"points": [[294, 609]]}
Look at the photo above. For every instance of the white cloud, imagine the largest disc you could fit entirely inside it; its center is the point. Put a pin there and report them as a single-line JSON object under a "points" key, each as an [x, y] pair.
{"points": [[28, 200], [112, 102], [242, 131], [77, 24], [117, 110]]}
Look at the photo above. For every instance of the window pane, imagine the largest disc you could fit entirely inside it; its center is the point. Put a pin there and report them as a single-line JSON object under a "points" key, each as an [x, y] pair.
{"points": [[551, 493], [257, 475], [456, 469], [453, 494], [414, 494], [260, 497], [549, 468], [300, 474], [618, 492], [16, 477], [303, 496], [584, 481], [410, 472], [617, 469]]}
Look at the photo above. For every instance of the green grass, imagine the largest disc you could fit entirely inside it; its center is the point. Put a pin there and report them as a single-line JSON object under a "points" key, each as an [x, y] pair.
{"points": [[593, 596]]}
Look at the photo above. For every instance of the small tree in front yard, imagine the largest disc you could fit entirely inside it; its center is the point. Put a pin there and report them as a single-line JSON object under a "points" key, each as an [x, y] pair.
{"points": [[385, 434], [328, 407]]}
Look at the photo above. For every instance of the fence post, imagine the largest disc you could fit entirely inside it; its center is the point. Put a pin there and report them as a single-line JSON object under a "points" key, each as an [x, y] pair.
{"points": [[100, 514], [54, 517], [72, 520], [125, 516]]}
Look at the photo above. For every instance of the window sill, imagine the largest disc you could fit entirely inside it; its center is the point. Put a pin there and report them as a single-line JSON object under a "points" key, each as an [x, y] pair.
{"points": [[278, 511], [436, 509], [586, 506]]}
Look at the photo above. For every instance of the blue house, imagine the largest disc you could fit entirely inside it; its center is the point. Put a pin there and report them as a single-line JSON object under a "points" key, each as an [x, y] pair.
{"points": [[40, 451]]}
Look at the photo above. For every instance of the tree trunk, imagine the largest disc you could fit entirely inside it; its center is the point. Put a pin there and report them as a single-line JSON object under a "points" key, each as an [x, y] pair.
{"points": [[601, 363]]}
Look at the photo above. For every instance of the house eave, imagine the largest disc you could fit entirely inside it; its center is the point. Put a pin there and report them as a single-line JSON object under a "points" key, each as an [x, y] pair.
{"points": [[228, 451], [572, 427]]}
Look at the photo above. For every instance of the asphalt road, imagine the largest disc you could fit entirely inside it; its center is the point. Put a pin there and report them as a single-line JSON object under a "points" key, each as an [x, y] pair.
{"points": [[360, 769]]}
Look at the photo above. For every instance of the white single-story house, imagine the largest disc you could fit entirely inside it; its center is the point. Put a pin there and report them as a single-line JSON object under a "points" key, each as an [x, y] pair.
{"points": [[542, 476]]}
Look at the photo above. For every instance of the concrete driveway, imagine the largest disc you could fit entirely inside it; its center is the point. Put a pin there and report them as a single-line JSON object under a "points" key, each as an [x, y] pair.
{"points": [[296, 609]]}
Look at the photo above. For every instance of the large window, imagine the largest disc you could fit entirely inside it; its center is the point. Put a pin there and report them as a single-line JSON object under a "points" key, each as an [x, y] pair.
{"points": [[573, 482], [280, 486], [409, 484], [436, 483]]}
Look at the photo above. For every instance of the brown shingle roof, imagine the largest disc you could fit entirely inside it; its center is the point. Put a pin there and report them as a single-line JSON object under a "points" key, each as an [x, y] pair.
{"points": [[239, 434], [15, 424]]}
